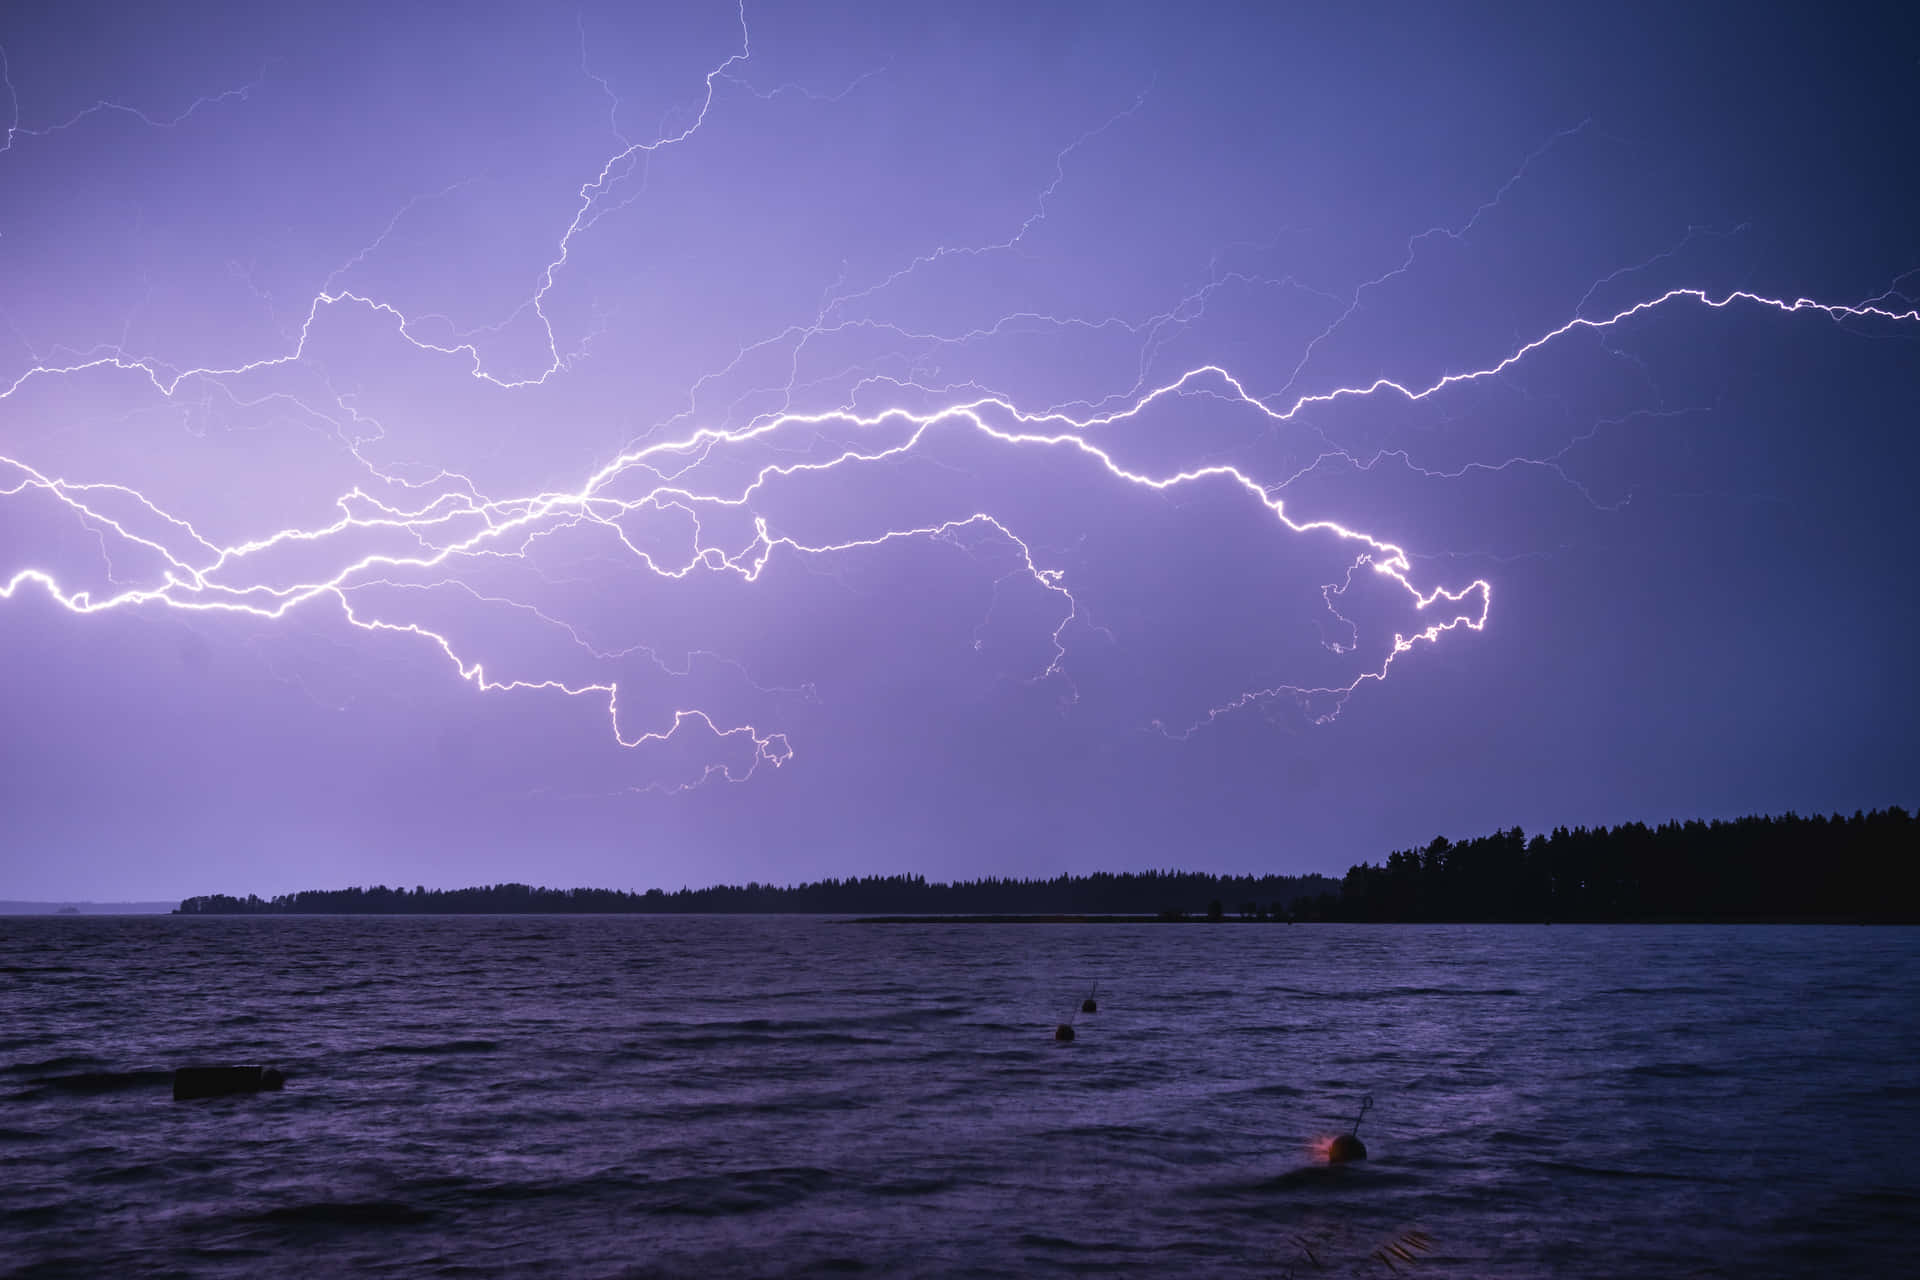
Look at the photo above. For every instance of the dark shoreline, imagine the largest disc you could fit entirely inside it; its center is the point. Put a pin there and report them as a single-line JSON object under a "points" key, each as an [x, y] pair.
{"points": [[841, 917], [1753, 870], [1234, 920]]}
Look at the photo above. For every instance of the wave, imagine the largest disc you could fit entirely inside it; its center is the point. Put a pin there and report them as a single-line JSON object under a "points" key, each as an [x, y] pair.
{"points": [[440, 1047], [85, 1083], [1676, 1070], [747, 1191], [64, 1062], [1605, 1171], [356, 1213]]}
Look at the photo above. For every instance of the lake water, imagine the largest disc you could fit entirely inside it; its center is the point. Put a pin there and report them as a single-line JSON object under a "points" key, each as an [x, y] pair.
{"points": [[609, 1096]]}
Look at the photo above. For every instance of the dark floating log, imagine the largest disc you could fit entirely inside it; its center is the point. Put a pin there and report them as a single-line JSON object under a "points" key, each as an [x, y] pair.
{"points": [[1063, 1032], [221, 1082]]}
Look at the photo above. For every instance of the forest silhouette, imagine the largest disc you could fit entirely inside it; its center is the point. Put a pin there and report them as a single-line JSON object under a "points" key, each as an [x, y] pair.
{"points": [[1787, 868]]}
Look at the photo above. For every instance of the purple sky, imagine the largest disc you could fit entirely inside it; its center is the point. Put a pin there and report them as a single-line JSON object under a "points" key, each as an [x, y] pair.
{"points": [[665, 445]]}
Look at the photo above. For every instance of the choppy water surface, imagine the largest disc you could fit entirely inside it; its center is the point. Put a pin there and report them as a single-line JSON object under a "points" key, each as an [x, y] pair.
{"points": [[634, 1096]]}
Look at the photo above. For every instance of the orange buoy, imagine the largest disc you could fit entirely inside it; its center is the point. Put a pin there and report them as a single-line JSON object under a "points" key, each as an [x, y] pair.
{"points": [[1344, 1148]]}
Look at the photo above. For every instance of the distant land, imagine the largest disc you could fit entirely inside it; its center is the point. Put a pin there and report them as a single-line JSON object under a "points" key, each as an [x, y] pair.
{"points": [[1786, 868], [12, 908], [1101, 892]]}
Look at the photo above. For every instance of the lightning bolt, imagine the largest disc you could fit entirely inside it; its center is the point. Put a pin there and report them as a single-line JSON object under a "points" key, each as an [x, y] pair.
{"points": [[704, 479], [17, 130]]}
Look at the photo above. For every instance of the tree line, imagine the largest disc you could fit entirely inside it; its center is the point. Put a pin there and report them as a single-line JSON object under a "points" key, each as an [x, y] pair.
{"points": [[1101, 893], [1756, 868]]}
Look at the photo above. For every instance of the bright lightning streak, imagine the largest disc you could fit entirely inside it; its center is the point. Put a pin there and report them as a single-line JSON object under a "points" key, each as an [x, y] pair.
{"points": [[16, 130], [200, 574]]}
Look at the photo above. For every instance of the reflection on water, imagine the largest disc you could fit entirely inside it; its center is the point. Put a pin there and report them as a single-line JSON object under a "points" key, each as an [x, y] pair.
{"points": [[631, 1096]]}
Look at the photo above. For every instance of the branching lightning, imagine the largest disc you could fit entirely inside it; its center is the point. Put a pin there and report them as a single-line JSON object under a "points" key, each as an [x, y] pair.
{"points": [[425, 543], [16, 130]]}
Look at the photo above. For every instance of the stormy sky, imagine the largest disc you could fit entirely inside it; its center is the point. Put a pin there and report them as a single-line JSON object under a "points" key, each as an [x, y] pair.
{"points": [[659, 445]]}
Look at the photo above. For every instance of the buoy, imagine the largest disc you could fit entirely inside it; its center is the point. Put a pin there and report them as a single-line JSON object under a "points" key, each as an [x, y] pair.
{"points": [[1088, 1006], [1348, 1147], [219, 1082], [1063, 1032]]}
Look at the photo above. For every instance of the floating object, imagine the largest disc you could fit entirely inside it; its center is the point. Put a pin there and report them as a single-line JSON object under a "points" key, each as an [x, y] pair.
{"points": [[1348, 1147], [1089, 1005], [221, 1082], [1063, 1032]]}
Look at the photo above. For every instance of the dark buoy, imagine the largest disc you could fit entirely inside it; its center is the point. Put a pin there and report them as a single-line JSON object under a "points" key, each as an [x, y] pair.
{"points": [[1090, 1005], [1348, 1147], [1063, 1032], [221, 1082]]}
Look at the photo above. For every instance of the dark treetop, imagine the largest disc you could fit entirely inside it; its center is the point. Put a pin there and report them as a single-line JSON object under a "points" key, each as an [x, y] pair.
{"points": [[1101, 892], [1784, 868]]}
